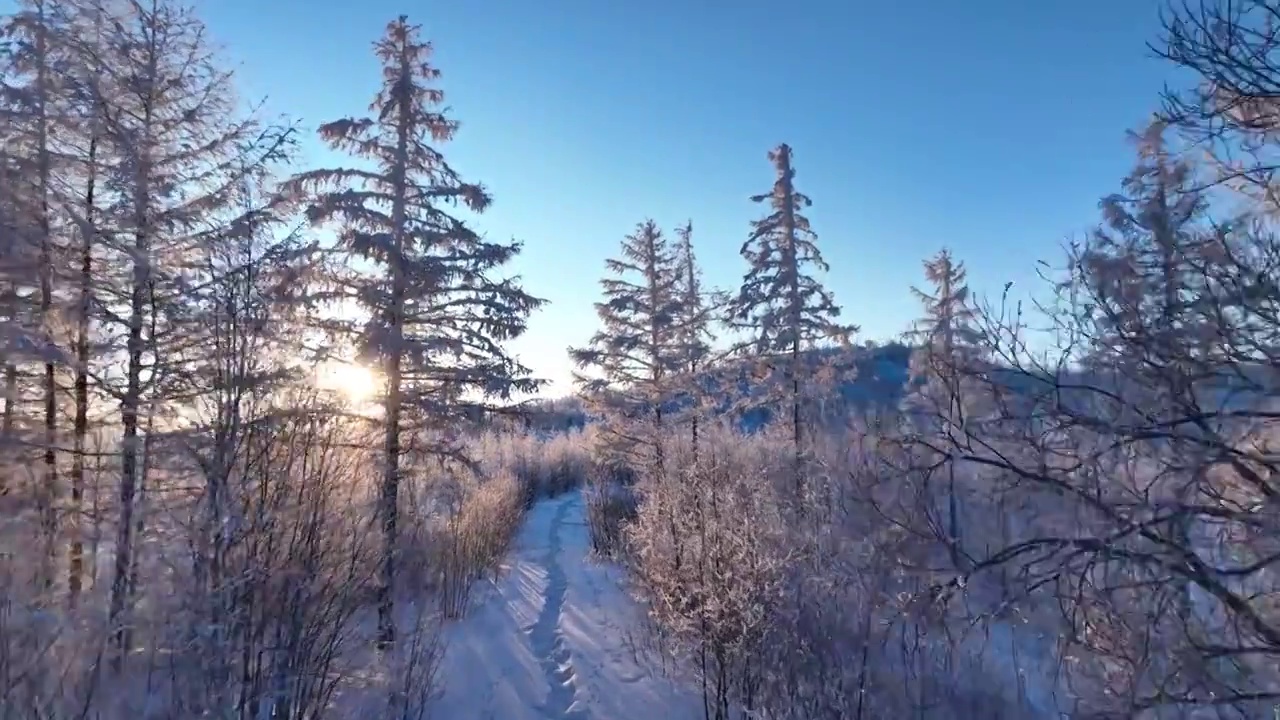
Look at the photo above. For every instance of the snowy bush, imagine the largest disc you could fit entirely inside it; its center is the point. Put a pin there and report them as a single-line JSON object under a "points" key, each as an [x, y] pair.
{"points": [[610, 506], [472, 540], [819, 614], [282, 617]]}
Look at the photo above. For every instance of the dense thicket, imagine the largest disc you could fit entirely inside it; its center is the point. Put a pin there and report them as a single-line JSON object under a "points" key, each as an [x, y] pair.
{"points": [[1067, 509], [201, 504]]}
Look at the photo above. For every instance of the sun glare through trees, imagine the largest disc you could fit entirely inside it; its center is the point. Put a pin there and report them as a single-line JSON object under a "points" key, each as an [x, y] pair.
{"points": [[357, 383]]}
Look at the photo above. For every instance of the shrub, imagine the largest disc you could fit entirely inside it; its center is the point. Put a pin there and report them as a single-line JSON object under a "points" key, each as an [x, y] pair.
{"points": [[787, 607], [610, 507], [475, 538]]}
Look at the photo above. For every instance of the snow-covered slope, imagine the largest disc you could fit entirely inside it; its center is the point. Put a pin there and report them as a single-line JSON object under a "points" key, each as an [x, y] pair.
{"points": [[552, 638]]}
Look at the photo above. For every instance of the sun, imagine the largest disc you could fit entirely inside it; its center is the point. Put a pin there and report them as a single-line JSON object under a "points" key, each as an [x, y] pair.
{"points": [[357, 383]]}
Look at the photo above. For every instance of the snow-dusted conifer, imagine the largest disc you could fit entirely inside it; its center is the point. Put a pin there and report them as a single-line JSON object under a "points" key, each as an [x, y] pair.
{"points": [[631, 358], [693, 326], [19, 317], [1155, 314], [84, 195], [249, 275], [947, 333], [781, 304], [437, 315], [1141, 265], [947, 343]]}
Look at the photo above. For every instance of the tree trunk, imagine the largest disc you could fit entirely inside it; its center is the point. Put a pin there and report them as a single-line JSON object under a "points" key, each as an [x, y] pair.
{"points": [[75, 577], [6, 425], [49, 485], [388, 504], [129, 407], [694, 447], [947, 321], [389, 496], [139, 516], [130, 478], [129, 458], [792, 262]]}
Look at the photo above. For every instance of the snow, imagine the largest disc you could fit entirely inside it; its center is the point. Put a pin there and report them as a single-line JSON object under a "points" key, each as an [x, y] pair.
{"points": [[552, 637]]}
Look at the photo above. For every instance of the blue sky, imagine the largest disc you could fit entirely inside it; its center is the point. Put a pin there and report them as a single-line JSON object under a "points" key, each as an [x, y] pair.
{"points": [[990, 126]]}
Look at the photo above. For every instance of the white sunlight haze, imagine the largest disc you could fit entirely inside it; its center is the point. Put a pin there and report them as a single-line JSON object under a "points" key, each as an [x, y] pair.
{"points": [[357, 383]]}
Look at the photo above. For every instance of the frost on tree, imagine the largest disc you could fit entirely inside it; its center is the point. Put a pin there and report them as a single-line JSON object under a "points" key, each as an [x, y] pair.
{"points": [[781, 305], [1143, 266], [19, 315], [628, 364], [694, 317], [1153, 324], [947, 347], [166, 116], [694, 334], [435, 311], [30, 94], [946, 340]]}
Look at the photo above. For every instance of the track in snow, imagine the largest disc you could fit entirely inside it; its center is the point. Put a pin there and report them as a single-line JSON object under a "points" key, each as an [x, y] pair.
{"points": [[550, 639], [545, 638]]}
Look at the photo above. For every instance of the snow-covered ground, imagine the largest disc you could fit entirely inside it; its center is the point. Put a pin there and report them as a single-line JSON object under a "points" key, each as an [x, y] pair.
{"points": [[552, 638]]}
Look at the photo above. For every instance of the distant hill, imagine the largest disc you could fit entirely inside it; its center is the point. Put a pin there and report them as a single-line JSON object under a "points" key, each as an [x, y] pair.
{"points": [[864, 378], [869, 378]]}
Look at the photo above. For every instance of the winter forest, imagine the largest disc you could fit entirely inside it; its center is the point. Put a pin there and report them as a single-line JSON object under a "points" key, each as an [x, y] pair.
{"points": [[265, 451]]}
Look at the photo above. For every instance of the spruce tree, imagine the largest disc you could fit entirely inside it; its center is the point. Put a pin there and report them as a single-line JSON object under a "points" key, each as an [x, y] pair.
{"points": [[1154, 313], [693, 326], [638, 347], [436, 313], [1144, 263], [781, 304], [19, 322], [947, 343], [946, 336], [82, 204]]}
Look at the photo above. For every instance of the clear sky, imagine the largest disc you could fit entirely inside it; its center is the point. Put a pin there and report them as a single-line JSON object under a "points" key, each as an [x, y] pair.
{"points": [[991, 126]]}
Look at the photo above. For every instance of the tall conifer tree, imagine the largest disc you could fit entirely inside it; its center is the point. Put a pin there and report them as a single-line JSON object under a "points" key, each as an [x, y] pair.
{"points": [[436, 312], [781, 304], [637, 348]]}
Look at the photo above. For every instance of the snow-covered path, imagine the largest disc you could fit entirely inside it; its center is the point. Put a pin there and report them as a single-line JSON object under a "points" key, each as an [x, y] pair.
{"points": [[552, 638]]}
